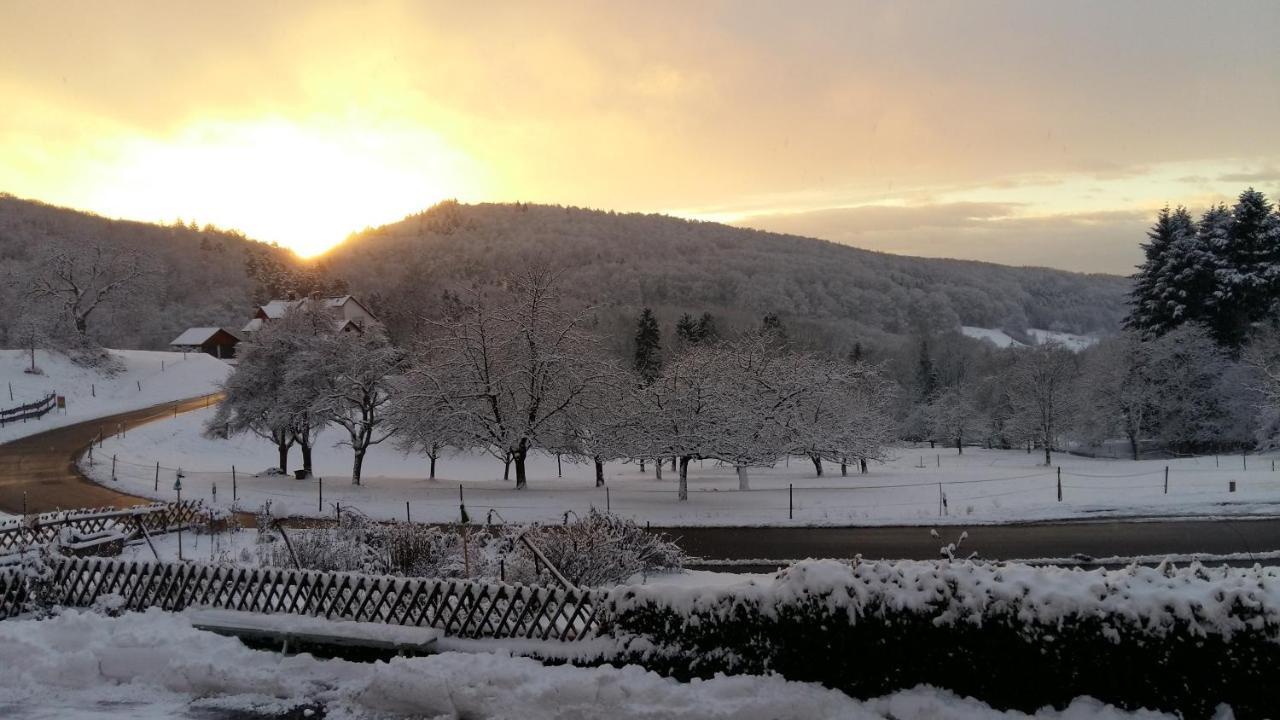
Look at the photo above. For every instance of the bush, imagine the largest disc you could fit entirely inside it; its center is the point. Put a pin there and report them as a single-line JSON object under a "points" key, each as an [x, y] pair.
{"points": [[1011, 635]]}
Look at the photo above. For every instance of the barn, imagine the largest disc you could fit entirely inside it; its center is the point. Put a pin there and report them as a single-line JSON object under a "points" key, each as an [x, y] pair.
{"points": [[218, 342]]}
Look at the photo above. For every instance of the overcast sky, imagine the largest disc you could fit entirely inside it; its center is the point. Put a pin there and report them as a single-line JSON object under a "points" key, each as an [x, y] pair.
{"points": [[1023, 132]]}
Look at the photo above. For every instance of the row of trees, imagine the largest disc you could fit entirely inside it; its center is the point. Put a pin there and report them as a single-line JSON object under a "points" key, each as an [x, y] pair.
{"points": [[524, 375]]}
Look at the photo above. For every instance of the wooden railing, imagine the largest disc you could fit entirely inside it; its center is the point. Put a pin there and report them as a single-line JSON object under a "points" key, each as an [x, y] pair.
{"points": [[34, 530], [29, 411], [459, 608]]}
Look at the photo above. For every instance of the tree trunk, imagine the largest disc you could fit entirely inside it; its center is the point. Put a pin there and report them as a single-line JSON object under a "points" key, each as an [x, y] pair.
{"points": [[744, 482], [356, 464], [599, 473], [1133, 445], [506, 466], [305, 446], [433, 466], [931, 445], [817, 464], [959, 444], [844, 467], [642, 465], [673, 463], [657, 469], [684, 477], [863, 463], [283, 450], [518, 457], [1047, 460]]}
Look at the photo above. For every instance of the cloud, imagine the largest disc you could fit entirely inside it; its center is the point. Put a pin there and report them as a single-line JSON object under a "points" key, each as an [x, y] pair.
{"points": [[1106, 242], [1267, 176]]}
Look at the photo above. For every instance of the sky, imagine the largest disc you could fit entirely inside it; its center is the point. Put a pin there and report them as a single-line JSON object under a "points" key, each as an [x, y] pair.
{"points": [[1029, 133]]}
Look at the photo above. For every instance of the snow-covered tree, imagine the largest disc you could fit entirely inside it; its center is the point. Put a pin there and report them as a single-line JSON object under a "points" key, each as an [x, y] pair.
{"points": [[1118, 392], [81, 279], [1040, 386], [1204, 402], [254, 397], [359, 372], [953, 417], [505, 376], [1248, 272], [1175, 279]]}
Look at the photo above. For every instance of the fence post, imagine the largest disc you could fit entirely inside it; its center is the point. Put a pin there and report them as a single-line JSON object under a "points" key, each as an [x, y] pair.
{"points": [[1244, 459], [214, 488], [139, 385], [233, 483], [113, 468], [157, 488], [1059, 483], [791, 505], [406, 511], [90, 453], [939, 499], [1231, 486], [1166, 479], [939, 459], [320, 492], [607, 506], [93, 389]]}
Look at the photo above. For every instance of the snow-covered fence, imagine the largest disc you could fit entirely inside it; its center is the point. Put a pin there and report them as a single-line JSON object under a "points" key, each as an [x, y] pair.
{"points": [[1011, 635], [35, 530], [29, 411], [459, 608]]}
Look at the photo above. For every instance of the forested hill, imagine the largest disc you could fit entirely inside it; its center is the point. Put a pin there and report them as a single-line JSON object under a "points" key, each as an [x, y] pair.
{"points": [[833, 294], [196, 276]]}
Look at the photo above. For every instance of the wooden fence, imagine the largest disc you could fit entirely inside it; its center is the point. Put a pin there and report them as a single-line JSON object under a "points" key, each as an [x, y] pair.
{"points": [[459, 608], [34, 530], [29, 411]]}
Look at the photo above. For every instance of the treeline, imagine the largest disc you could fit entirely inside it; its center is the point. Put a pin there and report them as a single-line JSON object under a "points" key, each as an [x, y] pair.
{"points": [[832, 296], [514, 373]]}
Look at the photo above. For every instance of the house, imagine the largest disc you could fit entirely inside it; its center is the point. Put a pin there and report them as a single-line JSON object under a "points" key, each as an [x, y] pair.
{"points": [[351, 313], [218, 342]]}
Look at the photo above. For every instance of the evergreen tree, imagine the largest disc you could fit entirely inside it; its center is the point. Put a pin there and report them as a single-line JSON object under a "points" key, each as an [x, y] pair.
{"points": [[648, 350], [855, 353], [926, 374], [687, 331], [1147, 313], [1248, 271], [771, 326], [707, 330]]}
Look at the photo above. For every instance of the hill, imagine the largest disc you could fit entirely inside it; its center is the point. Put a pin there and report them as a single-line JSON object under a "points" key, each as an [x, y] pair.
{"points": [[830, 294], [197, 276]]}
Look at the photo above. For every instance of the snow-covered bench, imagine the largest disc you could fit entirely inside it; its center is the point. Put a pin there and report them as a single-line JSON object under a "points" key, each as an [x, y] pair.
{"points": [[294, 633]]}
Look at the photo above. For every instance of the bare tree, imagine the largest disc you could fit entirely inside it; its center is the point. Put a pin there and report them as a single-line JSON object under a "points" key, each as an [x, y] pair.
{"points": [[952, 417], [506, 377], [1118, 392], [79, 280], [1040, 386], [359, 367]]}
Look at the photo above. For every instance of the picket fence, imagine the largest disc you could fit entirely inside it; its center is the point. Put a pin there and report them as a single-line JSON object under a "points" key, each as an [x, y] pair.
{"points": [[459, 608]]}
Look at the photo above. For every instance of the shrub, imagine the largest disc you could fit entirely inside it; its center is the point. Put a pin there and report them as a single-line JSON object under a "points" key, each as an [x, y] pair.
{"points": [[1011, 635]]}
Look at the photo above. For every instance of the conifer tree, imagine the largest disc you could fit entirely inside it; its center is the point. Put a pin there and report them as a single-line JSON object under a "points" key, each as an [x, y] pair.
{"points": [[771, 327], [707, 330], [687, 331], [648, 346], [1248, 268]]}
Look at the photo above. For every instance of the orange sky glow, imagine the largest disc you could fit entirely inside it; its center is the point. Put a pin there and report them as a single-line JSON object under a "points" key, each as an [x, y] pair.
{"points": [[1026, 133]]}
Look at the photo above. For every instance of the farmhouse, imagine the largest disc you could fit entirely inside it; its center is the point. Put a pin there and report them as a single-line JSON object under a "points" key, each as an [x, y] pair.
{"points": [[218, 342], [351, 313]]}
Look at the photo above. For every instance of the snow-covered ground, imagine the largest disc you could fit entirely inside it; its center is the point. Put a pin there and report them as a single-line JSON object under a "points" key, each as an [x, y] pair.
{"points": [[980, 486], [148, 378], [1001, 339], [80, 665]]}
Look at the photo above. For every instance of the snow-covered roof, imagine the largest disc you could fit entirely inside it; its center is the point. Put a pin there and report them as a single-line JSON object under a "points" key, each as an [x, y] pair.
{"points": [[199, 335], [252, 326], [277, 308]]}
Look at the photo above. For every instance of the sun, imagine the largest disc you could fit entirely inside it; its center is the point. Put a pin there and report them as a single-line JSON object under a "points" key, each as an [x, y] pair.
{"points": [[305, 185]]}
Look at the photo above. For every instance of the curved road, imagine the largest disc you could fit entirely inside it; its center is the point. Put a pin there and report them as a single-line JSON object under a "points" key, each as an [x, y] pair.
{"points": [[43, 467]]}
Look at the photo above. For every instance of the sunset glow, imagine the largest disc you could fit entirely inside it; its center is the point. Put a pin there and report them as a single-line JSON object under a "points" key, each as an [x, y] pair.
{"points": [[301, 123]]}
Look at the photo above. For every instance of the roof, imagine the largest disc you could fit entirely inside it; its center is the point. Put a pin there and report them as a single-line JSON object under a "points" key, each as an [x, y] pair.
{"points": [[276, 309], [252, 326], [200, 335]]}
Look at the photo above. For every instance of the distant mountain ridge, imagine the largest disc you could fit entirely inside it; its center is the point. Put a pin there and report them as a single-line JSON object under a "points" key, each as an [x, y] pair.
{"points": [[833, 294]]}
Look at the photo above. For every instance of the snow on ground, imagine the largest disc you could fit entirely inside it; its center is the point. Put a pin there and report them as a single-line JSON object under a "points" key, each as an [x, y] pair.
{"points": [[1001, 339], [81, 665], [149, 378], [980, 486], [996, 337]]}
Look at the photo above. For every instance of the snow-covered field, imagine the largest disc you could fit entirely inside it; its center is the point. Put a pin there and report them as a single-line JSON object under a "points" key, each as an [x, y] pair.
{"points": [[1001, 339], [148, 378], [980, 486], [80, 665]]}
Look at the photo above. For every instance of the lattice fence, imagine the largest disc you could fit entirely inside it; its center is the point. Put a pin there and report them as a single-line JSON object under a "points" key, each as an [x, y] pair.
{"points": [[458, 608], [16, 535]]}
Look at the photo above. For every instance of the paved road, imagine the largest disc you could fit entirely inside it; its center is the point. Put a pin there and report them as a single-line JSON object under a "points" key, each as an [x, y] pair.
{"points": [[43, 465], [1023, 541]]}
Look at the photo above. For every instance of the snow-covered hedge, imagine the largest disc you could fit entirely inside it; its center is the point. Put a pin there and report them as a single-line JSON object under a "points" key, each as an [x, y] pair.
{"points": [[1012, 635]]}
